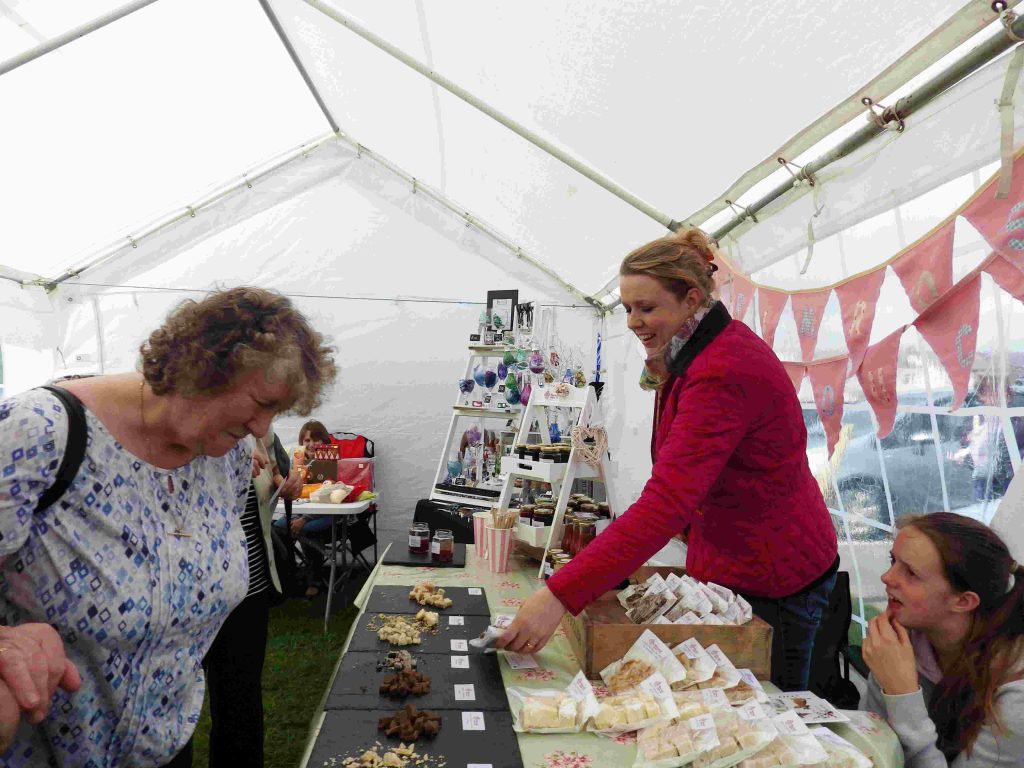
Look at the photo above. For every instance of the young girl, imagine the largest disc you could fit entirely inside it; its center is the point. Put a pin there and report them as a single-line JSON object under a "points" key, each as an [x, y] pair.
{"points": [[947, 655]]}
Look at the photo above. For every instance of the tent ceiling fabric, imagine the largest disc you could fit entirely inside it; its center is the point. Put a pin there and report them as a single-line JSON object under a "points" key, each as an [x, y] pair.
{"points": [[674, 101]]}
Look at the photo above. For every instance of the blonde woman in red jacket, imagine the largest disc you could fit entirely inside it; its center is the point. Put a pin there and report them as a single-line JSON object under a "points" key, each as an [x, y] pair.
{"points": [[730, 467]]}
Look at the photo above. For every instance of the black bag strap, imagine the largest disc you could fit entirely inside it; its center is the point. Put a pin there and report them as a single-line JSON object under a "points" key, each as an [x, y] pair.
{"points": [[74, 450]]}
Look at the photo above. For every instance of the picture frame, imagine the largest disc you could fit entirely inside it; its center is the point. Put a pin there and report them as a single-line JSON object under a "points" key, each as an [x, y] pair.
{"points": [[502, 303]]}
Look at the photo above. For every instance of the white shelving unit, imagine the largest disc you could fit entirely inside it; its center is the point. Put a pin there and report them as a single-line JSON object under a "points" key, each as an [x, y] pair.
{"points": [[560, 476]]}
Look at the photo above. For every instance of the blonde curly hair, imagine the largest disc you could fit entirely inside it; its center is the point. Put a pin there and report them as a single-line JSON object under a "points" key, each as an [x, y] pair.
{"points": [[204, 346], [681, 261]]}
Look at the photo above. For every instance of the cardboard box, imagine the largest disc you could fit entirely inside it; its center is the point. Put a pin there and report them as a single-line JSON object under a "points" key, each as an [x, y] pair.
{"points": [[602, 634]]}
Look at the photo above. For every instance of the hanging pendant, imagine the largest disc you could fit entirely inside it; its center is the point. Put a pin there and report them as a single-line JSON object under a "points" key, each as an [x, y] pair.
{"points": [[181, 534], [170, 485]]}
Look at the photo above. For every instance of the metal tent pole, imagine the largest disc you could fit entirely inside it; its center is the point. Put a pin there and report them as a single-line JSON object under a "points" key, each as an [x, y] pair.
{"points": [[71, 35], [521, 130], [276, 24]]}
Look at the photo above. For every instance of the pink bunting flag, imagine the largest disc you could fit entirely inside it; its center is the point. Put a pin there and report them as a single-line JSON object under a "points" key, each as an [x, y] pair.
{"points": [[950, 326], [877, 376], [926, 270], [827, 381], [808, 309], [1001, 222], [857, 300], [1007, 276], [770, 304], [742, 293], [796, 373]]}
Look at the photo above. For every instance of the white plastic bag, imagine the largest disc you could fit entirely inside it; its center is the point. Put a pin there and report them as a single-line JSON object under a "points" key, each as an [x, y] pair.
{"points": [[551, 711], [698, 664], [649, 704], [841, 753]]}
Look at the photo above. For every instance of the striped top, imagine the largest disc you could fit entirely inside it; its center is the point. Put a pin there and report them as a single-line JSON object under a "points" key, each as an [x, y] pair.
{"points": [[259, 578]]}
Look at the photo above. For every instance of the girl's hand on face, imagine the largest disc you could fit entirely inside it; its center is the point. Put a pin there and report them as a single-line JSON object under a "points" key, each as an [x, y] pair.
{"points": [[890, 656]]}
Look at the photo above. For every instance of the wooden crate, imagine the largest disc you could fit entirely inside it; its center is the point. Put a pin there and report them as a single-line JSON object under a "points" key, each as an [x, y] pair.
{"points": [[602, 634]]}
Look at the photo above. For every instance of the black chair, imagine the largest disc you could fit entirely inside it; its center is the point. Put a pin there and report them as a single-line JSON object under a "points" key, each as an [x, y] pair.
{"points": [[829, 678]]}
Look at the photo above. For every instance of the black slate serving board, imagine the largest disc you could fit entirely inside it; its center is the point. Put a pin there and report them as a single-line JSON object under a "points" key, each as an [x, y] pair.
{"points": [[351, 732], [366, 640], [357, 684], [398, 554], [395, 599]]}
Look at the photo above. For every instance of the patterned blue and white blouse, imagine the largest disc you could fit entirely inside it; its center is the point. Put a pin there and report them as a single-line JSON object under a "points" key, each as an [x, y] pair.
{"points": [[136, 606]]}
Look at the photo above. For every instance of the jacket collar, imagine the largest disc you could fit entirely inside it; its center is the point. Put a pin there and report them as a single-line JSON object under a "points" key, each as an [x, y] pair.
{"points": [[714, 322]]}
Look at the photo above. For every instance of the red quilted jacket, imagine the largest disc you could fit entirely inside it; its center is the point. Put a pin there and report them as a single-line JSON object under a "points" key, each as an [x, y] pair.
{"points": [[730, 465]]}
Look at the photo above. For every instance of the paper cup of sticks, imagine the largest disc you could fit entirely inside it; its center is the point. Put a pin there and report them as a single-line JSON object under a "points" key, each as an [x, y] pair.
{"points": [[500, 538]]}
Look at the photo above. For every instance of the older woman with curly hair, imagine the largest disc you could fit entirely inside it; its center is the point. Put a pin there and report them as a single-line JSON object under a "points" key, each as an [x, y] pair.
{"points": [[111, 595]]}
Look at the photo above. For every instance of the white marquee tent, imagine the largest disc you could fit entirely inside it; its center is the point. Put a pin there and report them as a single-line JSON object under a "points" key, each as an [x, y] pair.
{"points": [[386, 164]]}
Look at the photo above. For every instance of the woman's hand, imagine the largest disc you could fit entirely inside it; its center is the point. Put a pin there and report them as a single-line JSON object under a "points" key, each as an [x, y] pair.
{"points": [[297, 523], [32, 665], [259, 461], [890, 656], [291, 488], [534, 624]]}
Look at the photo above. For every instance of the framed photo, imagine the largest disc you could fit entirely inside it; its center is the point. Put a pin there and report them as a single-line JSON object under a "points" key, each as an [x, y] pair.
{"points": [[502, 304], [474, 337]]}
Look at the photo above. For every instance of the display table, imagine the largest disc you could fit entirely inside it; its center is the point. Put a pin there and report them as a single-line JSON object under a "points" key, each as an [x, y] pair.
{"points": [[343, 512], [557, 666]]}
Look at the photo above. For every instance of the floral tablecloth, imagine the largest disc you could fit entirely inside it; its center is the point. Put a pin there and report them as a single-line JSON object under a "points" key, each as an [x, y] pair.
{"points": [[558, 665]]}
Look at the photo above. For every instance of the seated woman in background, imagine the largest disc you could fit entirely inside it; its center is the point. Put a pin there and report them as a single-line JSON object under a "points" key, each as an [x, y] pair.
{"points": [[313, 433], [947, 655]]}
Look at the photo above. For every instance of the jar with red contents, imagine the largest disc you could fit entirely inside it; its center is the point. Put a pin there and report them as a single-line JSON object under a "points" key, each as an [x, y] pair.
{"points": [[419, 538], [586, 530]]}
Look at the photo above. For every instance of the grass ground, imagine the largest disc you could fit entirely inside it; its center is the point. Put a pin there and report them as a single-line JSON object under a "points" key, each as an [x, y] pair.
{"points": [[300, 660]]}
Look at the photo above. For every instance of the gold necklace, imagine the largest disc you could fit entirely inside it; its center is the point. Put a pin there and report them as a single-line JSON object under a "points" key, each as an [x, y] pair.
{"points": [[178, 530]]}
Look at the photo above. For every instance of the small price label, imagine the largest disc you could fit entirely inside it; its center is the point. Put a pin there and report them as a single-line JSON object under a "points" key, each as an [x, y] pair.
{"points": [[473, 721], [790, 724], [719, 658], [456, 621], [460, 645], [521, 661], [701, 723], [465, 692], [475, 591], [460, 662], [692, 648], [502, 620], [715, 698], [435, 547], [752, 711]]}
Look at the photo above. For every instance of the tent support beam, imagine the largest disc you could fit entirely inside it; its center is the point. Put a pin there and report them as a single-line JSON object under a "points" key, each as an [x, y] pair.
{"points": [[276, 24], [521, 130], [71, 35], [974, 60], [283, 160]]}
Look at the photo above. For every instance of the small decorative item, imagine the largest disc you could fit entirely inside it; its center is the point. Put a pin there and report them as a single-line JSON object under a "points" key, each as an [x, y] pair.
{"points": [[579, 379], [491, 378], [555, 433], [497, 322], [466, 386], [478, 375], [510, 382], [521, 358], [549, 377], [554, 358], [502, 370], [484, 316], [536, 362], [512, 396], [510, 357], [524, 395], [454, 468], [567, 378]]}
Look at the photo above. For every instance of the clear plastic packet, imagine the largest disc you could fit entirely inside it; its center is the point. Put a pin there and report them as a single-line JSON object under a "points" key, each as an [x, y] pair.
{"points": [[696, 601], [656, 601], [688, 618], [648, 704], [733, 615], [631, 594], [794, 746], [725, 675], [723, 592], [694, 702], [742, 734], [712, 618], [698, 664], [650, 648], [745, 610], [841, 753], [718, 603], [748, 689], [487, 639], [551, 711]]}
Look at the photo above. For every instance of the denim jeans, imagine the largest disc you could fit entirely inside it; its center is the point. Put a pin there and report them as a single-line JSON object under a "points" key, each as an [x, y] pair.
{"points": [[795, 621]]}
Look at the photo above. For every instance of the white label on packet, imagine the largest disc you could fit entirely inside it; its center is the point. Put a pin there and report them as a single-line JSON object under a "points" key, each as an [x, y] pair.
{"points": [[692, 648], [748, 677], [657, 686], [717, 656], [733, 614], [475, 591], [473, 721], [653, 645], [460, 645], [521, 661], [460, 662], [456, 621], [715, 698], [790, 724], [723, 592], [580, 687], [752, 711], [502, 620], [435, 547], [465, 692], [673, 581]]}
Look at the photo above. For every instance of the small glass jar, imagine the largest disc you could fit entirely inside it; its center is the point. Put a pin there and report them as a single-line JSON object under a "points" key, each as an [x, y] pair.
{"points": [[586, 530], [604, 510], [526, 513], [442, 547], [568, 532], [419, 538], [543, 515]]}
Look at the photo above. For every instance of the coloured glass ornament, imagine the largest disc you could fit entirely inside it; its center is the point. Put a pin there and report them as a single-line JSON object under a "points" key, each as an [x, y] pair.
{"points": [[521, 358], [568, 378], [512, 396], [536, 362], [502, 370], [497, 322], [524, 396], [478, 375], [510, 382], [484, 317], [466, 386], [555, 433], [490, 378], [454, 467], [510, 357], [580, 380], [473, 436], [554, 358]]}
